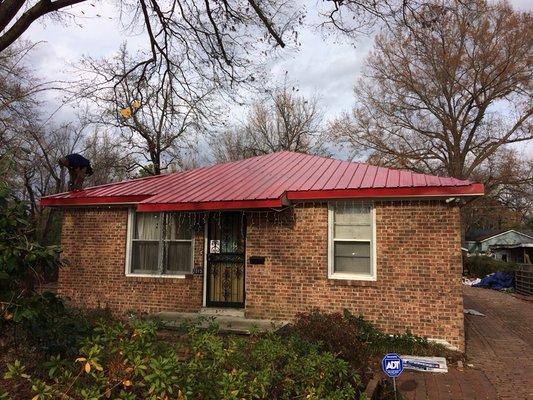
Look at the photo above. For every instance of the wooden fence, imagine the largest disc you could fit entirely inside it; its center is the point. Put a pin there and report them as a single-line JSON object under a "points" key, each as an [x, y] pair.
{"points": [[524, 279]]}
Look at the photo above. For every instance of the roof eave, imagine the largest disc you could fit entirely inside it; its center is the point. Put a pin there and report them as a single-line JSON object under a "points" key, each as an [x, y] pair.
{"points": [[210, 205], [503, 233], [475, 189], [91, 201]]}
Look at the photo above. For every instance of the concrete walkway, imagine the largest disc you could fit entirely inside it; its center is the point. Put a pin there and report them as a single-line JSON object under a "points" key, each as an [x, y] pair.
{"points": [[499, 348]]}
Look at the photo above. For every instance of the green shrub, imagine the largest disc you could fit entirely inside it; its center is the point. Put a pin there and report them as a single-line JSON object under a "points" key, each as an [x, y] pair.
{"points": [[22, 262], [56, 329], [380, 343], [127, 361], [481, 266], [336, 334], [354, 339]]}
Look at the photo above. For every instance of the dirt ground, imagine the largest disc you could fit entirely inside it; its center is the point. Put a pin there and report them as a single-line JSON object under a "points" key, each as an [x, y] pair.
{"points": [[499, 350]]}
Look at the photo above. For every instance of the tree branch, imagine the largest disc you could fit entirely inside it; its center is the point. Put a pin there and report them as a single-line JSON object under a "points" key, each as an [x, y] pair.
{"points": [[41, 8], [266, 22]]}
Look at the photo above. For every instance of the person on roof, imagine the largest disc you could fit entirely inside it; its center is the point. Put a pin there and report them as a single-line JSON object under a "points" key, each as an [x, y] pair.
{"points": [[78, 168]]}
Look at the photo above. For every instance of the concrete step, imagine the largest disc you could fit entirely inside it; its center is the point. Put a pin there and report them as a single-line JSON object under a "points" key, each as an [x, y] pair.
{"points": [[226, 323], [228, 312]]}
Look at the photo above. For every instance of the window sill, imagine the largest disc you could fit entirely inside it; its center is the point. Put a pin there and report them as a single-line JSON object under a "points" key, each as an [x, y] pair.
{"points": [[353, 278], [157, 276]]}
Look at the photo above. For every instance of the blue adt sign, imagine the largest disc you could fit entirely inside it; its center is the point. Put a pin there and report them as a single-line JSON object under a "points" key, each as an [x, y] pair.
{"points": [[392, 365]]}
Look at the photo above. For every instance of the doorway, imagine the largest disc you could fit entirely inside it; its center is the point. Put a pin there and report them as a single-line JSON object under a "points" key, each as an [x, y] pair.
{"points": [[226, 260]]}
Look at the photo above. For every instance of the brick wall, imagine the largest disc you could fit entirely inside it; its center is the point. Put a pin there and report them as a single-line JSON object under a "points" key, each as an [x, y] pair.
{"points": [[418, 268], [418, 283], [94, 243]]}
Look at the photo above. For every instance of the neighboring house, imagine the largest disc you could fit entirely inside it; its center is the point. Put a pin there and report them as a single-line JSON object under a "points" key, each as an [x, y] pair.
{"points": [[508, 245], [274, 235], [521, 253]]}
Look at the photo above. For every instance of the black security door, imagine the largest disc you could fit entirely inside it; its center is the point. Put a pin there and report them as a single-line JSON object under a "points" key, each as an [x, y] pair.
{"points": [[225, 260]]}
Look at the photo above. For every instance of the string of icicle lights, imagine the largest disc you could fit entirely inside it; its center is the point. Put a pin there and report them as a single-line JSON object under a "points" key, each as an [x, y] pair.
{"points": [[284, 217]]}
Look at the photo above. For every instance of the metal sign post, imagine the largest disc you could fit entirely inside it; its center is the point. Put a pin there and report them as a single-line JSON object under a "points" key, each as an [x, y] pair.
{"points": [[392, 365]]}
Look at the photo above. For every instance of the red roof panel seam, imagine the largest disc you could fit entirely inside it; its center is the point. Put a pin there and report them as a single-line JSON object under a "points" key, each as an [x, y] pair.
{"points": [[324, 166], [192, 190], [308, 174], [271, 191], [300, 173], [189, 179], [333, 176], [348, 174], [357, 179], [214, 170], [257, 169], [265, 184], [326, 175], [238, 185]]}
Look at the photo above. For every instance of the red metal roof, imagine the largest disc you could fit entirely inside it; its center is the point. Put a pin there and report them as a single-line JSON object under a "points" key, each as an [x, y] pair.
{"points": [[267, 181]]}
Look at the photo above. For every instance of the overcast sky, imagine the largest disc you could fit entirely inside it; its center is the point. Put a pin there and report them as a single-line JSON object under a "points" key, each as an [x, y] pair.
{"points": [[325, 68]]}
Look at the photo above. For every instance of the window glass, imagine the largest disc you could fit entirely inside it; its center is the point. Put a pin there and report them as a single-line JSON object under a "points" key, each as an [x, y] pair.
{"points": [[353, 232], [147, 226], [178, 257], [352, 215], [351, 236], [144, 257], [179, 227], [162, 243], [352, 257]]}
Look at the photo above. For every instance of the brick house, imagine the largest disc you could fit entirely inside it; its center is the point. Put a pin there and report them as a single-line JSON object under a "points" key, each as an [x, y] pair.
{"points": [[274, 235]]}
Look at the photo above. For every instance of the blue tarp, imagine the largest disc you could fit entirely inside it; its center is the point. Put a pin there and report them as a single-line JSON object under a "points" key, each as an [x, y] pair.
{"points": [[497, 280]]}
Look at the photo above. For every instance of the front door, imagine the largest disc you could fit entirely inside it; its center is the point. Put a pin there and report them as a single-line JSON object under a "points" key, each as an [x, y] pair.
{"points": [[225, 260]]}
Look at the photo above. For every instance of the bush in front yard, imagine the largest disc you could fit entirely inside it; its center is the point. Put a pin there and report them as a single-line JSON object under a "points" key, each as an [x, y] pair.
{"points": [[127, 361], [356, 340], [481, 266], [336, 334]]}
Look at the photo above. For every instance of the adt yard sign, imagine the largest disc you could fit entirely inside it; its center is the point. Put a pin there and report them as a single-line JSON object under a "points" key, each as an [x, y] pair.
{"points": [[392, 365]]}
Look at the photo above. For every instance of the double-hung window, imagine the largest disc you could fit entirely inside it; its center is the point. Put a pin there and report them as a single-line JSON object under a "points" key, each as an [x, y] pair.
{"points": [[160, 244], [352, 241]]}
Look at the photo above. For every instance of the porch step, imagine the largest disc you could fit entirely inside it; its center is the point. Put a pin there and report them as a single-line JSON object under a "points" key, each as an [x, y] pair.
{"points": [[228, 312], [226, 323]]}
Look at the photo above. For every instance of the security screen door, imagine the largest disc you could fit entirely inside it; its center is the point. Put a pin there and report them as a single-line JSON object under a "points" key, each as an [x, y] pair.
{"points": [[226, 260]]}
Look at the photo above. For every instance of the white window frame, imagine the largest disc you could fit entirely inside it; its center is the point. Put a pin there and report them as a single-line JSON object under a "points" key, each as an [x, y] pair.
{"points": [[331, 257], [129, 250]]}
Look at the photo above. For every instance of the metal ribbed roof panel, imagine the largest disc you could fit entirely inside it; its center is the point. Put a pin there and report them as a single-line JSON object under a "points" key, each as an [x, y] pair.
{"points": [[263, 181]]}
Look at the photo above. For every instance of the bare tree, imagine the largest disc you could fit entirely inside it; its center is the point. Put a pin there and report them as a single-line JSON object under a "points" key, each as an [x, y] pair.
{"points": [[35, 172], [445, 89], [216, 23], [31, 144], [508, 176], [154, 119], [19, 90], [230, 145], [109, 161], [283, 120], [220, 38]]}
